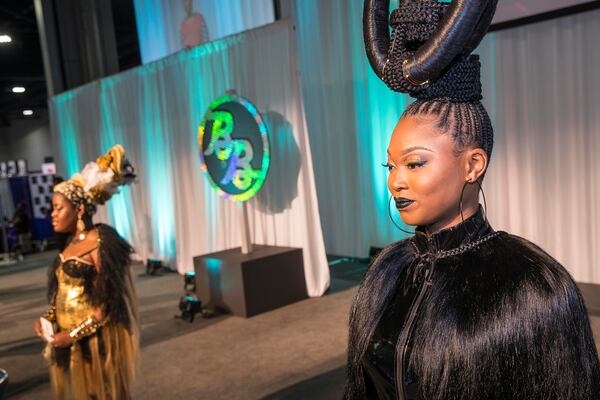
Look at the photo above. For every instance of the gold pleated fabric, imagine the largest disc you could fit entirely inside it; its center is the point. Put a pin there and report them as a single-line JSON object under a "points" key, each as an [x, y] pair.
{"points": [[109, 375], [71, 301]]}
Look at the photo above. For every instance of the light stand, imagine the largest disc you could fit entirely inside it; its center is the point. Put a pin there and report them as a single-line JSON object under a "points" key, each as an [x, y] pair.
{"points": [[189, 303], [245, 231]]}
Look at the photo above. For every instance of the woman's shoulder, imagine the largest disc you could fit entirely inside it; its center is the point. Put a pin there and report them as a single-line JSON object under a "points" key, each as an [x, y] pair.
{"points": [[403, 245], [105, 231], [509, 276], [517, 246], [525, 261], [399, 252], [81, 248], [92, 238], [110, 239]]}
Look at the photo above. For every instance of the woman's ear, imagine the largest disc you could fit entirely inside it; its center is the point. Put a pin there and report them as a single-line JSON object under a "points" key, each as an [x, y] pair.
{"points": [[477, 161], [80, 211]]}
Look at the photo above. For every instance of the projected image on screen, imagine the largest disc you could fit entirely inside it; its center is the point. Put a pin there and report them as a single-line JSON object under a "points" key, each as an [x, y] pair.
{"points": [[168, 26]]}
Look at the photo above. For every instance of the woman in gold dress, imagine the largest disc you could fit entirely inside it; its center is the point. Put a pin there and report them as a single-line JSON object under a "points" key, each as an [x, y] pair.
{"points": [[93, 352]]}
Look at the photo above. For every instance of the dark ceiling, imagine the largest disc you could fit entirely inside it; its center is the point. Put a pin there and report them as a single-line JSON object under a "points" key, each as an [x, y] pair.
{"points": [[21, 60]]}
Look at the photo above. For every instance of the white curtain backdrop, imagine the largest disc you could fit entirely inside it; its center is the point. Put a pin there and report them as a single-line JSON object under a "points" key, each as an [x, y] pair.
{"points": [[542, 89], [155, 110], [350, 115]]}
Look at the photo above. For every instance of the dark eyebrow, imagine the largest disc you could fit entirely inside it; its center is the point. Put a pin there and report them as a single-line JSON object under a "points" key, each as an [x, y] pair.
{"points": [[411, 149]]}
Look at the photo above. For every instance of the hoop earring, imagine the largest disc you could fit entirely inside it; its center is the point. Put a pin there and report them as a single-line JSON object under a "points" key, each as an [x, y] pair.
{"points": [[392, 218], [462, 218], [484, 202], [482, 193]]}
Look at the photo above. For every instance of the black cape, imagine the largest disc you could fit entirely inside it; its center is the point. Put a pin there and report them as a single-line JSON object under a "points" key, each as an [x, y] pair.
{"points": [[490, 316]]}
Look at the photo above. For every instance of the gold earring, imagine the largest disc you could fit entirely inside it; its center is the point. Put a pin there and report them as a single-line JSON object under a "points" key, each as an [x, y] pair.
{"points": [[81, 227]]}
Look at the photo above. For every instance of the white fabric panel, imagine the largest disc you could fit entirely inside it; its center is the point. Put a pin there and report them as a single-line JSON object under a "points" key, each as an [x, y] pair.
{"points": [[541, 87], [350, 115], [155, 111]]}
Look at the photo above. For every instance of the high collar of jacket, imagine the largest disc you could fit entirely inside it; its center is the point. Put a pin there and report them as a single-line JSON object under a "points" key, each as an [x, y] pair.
{"points": [[469, 230]]}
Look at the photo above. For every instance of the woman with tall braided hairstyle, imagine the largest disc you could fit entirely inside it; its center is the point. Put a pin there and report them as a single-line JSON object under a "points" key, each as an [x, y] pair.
{"points": [[93, 308], [458, 311]]}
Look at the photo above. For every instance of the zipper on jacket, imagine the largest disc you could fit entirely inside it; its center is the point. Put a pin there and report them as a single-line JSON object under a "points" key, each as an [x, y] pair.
{"points": [[407, 333]]}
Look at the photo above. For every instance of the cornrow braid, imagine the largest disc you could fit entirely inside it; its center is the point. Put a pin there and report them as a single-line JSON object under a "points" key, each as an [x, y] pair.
{"points": [[467, 122]]}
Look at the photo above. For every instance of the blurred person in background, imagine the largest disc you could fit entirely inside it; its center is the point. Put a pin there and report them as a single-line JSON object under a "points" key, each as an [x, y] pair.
{"points": [[21, 224], [193, 28], [92, 347]]}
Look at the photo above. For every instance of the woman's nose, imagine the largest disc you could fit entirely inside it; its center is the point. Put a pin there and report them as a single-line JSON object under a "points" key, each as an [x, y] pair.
{"points": [[397, 182]]}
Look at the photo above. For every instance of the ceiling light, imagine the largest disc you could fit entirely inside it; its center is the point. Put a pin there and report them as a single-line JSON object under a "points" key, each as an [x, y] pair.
{"points": [[5, 39], [18, 89], [27, 112]]}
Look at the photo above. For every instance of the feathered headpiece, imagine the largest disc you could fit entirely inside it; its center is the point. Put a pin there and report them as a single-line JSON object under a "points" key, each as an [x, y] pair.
{"points": [[98, 181], [428, 56]]}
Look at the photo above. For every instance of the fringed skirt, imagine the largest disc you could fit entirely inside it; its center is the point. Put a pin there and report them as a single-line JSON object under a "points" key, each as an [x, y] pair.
{"points": [[99, 367]]}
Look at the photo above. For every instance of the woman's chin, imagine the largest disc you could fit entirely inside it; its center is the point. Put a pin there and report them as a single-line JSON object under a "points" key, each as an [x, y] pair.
{"points": [[409, 219], [59, 229]]}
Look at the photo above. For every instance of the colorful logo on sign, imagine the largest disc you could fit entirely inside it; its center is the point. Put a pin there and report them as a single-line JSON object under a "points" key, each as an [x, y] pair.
{"points": [[234, 147]]}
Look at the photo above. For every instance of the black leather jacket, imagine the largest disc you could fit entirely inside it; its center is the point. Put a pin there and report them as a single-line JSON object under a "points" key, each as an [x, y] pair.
{"points": [[469, 313]]}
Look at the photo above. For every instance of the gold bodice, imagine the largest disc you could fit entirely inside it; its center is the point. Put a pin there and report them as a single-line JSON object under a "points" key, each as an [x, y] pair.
{"points": [[72, 302]]}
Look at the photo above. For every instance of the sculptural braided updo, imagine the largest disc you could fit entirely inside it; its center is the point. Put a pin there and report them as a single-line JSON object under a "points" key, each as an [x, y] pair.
{"points": [[451, 92]]}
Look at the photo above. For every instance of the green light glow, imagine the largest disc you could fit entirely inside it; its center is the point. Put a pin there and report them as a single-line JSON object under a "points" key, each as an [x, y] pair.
{"points": [[157, 161], [350, 117], [222, 129], [149, 110], [111, 133], [378, 110], [66, 111], [213, 264]]}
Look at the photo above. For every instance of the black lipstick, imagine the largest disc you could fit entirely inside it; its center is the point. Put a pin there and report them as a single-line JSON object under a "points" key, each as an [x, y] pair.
{"points": [[402, 202]]}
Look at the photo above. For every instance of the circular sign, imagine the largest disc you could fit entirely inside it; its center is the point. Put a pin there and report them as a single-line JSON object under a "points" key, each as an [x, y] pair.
{"points": [[234, 147]]}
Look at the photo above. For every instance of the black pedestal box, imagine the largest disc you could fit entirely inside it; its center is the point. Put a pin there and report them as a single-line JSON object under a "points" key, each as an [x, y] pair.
{"points": [[250, 284]]}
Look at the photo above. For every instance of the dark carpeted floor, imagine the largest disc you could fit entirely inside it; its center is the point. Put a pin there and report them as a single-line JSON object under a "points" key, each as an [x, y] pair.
{"points": [[295, 352]]}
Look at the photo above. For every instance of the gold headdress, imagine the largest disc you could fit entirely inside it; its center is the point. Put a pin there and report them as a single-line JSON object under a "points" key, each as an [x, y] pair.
{"points": [[98, 181]]}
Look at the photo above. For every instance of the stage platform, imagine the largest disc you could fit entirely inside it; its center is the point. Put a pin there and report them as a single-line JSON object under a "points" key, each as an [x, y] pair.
{"points": [[294, 352]]}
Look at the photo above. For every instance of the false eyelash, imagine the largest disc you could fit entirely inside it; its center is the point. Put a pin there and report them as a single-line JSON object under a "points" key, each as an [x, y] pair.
{"points": [[388, 166], [414, 165]]}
